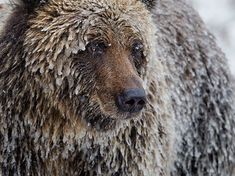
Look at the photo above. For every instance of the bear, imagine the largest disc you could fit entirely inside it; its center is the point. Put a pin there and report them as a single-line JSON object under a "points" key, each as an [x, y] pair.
{"points": [[202, 91], [82, 92], [113, 87]]}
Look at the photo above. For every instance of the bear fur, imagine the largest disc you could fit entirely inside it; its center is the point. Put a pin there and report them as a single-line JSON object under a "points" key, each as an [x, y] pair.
{"points": [[202, 95], [57, 115]]}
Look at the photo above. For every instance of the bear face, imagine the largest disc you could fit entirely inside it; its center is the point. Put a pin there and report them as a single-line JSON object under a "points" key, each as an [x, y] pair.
{"points": [[91, 59]]}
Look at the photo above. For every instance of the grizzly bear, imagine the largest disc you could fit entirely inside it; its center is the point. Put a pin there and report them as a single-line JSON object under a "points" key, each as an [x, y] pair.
{"points": [[113, 87], [82, 92]]}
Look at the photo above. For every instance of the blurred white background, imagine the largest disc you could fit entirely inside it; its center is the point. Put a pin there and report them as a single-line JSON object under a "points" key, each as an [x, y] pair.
{"points": [[219, 15]]}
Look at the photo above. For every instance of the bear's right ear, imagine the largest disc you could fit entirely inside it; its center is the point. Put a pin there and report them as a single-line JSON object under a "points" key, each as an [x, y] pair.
{"points": [[149, 3], [30, 5]]}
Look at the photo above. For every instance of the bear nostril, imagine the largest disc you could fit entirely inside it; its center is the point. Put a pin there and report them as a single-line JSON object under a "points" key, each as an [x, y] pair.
{"points": [[142, 102], [131, 100]]}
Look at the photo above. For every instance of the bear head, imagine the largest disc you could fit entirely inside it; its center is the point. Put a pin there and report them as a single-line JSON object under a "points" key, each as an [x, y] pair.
{"points": [[90, 57]]}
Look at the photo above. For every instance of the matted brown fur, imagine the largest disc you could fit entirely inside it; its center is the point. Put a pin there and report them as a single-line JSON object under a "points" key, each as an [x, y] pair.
{"points": [[58, 110], [62, 63]]}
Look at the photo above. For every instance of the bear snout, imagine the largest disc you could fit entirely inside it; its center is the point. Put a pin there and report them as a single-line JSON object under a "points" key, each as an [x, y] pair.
{"points": [[131, 100]]}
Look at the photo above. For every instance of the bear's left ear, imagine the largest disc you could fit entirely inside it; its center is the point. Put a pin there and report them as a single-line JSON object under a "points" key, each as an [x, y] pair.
{"points": [[30, 5], [149, 3]]}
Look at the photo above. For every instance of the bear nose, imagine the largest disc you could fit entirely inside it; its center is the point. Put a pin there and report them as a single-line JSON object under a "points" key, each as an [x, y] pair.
{"points": [[131, 100]]}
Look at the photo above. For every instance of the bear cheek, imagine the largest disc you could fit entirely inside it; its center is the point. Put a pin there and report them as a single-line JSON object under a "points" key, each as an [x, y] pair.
{"points": [[105, 95]]}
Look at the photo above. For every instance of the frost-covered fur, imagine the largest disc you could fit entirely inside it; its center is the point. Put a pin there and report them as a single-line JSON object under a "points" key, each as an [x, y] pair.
{"points": [[55, 117], [201, 95], [186, 79]]}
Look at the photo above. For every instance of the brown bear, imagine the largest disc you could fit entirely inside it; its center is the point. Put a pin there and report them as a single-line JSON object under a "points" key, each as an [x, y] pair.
{"points": [[82, 91], [113, 87]]}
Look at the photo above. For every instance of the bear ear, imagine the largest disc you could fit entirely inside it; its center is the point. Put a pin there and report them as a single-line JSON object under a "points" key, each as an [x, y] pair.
{"points": [[30, 5], [149, 3]]}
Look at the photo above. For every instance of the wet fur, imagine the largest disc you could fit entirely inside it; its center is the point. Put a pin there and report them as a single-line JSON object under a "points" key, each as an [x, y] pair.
{"points": [[53, 120], [201, 91], [42, 131]]}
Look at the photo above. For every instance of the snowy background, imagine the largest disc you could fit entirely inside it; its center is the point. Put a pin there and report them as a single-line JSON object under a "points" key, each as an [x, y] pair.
{"points": [[219, 15]]}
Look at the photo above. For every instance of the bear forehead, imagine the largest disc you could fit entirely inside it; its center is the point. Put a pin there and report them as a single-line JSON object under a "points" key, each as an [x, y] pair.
{"points": [[90, 14], [80, 17], [86, 7], [123, 4]]}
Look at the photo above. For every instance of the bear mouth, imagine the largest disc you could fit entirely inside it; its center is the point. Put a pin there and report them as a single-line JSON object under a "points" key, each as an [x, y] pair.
{"points": [[102, 118], [103, 122]]}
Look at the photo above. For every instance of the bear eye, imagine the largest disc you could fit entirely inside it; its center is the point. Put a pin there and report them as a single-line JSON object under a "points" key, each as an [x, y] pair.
{"points": [[137, 49], [97, 47], [137, 52]]}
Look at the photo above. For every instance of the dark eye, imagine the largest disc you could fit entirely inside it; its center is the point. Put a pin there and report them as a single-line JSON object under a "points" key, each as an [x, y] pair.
{"points": [[137, 50], [97, 47]]}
